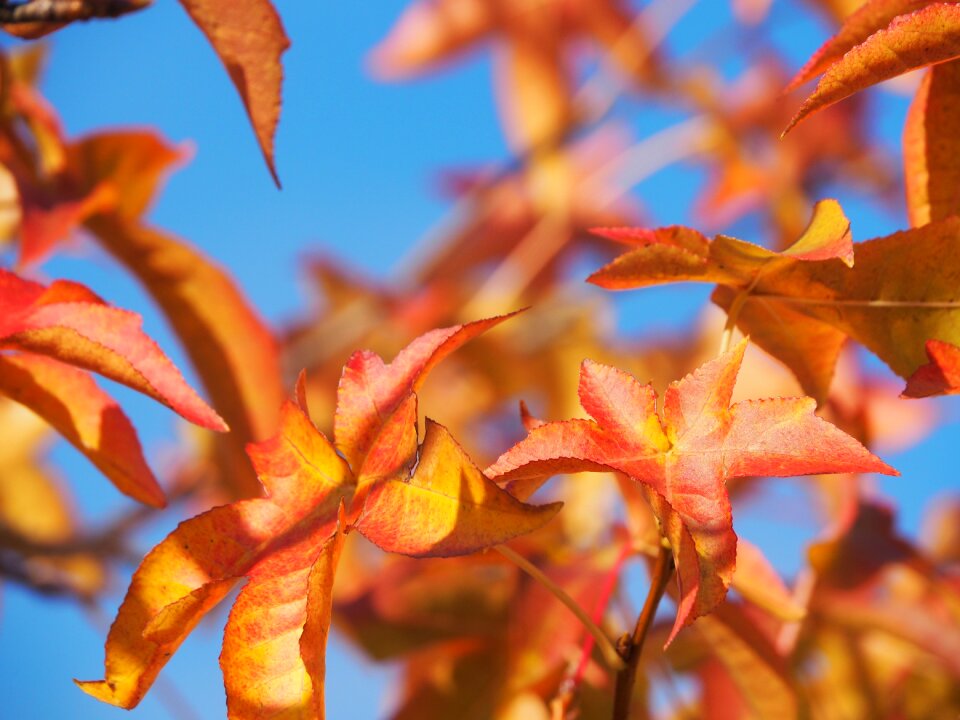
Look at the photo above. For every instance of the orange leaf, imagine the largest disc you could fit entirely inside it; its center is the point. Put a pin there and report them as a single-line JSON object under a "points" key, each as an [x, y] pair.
{"points": [[925, 37], [872, 16], [287, 544], [684, 455], [272, 540], [941, 376], [447, 506], [69, 323], [249, 39], [931, 147], [800, 307], [371, 390], [86, 416]]}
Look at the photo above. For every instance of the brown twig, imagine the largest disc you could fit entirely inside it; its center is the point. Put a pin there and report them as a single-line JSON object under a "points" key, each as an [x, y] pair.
{"points": [[62, 11], [631, 646]]}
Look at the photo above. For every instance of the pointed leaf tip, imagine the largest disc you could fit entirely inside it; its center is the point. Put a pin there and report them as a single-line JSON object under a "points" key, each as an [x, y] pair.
{"points": [[249, 38], [927, 36]]}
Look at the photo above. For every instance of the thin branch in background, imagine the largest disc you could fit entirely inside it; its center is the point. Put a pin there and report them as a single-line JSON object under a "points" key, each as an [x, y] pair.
{"points": [[63, 11], [610, 654]]}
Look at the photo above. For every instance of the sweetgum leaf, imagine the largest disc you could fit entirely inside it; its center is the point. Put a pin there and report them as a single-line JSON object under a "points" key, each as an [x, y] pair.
{"points": [[683, 455], [447, 506], [931, 147], [371, 390], [249, 39], [872, 16], [67, 322], [901, 291], [274, 541], [86, 416], [928, 36], [287, 544]]}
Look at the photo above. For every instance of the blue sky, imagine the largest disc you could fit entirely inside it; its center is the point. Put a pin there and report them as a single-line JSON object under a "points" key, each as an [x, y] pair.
{"points": [[357, 159]]}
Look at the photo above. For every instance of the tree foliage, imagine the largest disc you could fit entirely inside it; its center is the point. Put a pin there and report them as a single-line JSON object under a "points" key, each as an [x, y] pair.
{"points": [[321, 501]]}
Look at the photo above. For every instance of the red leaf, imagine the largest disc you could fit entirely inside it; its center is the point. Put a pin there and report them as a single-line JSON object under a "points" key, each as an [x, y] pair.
{"points": [[249, 39], [684, 455], [86, 416], [941, 376], [69, 323], [371, 390]]}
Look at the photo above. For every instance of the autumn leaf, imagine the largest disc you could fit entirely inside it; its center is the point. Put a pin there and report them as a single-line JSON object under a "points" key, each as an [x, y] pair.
{"points": [[683, 455], [234, 352], [751, 660], [940, 376], [197, 564], [872, 16], [249, 39], [86, 416], [286, 544], [800, 305], [928, 36], [447, 506], [370, 390], [931, 150], [67, 322]]}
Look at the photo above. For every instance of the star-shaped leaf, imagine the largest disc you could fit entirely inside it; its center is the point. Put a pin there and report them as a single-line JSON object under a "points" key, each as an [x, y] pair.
{"points": [[287, 543], [683, 455]]}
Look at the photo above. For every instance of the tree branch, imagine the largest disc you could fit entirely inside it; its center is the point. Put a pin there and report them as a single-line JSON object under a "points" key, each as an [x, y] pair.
{"points": [[63, 11], [631, 647]]}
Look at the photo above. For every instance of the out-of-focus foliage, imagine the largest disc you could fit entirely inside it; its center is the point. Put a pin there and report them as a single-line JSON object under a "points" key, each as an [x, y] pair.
{"points": [[491, 600]]}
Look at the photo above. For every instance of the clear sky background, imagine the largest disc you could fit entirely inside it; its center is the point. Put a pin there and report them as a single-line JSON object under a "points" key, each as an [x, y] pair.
{"points": [[358, 159]]}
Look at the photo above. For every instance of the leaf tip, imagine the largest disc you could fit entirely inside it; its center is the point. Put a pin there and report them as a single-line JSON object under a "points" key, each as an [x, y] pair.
{"points": [[101, 690]]}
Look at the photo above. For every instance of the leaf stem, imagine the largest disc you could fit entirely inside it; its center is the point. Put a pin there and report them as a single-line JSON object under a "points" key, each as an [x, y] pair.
{"points": [[609, 652], [631, 647]]}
